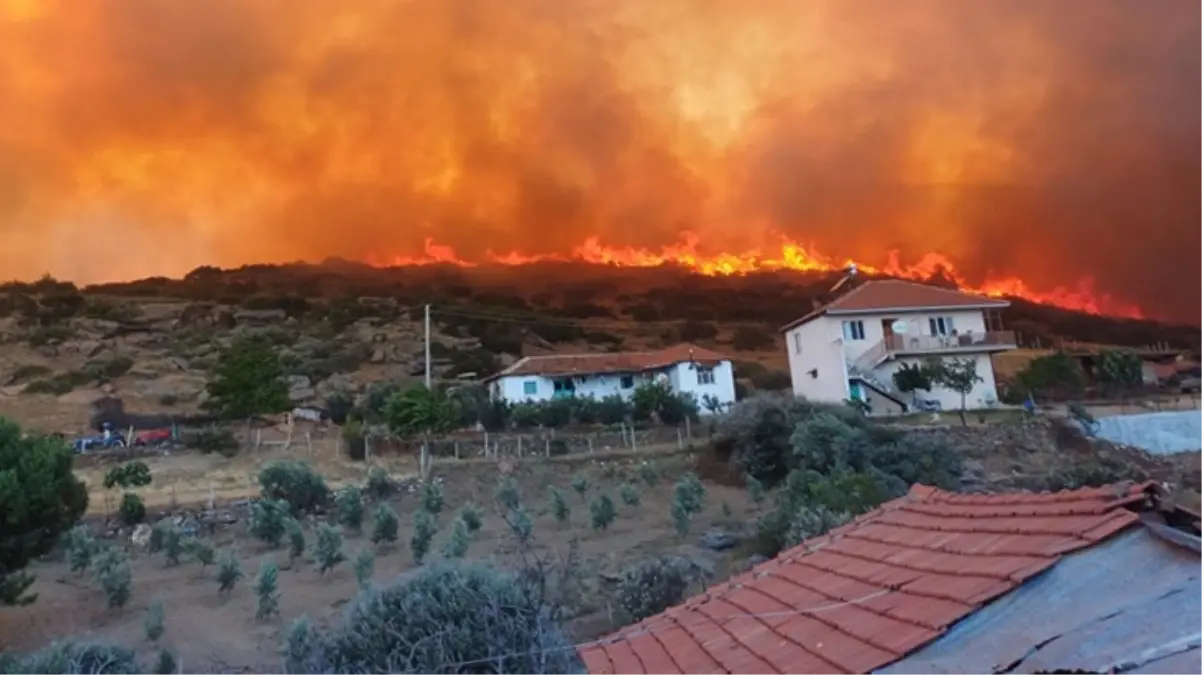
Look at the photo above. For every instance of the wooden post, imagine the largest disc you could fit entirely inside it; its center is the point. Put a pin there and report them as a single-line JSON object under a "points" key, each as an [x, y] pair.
{"points": [[456, 449], [590, 444], [688, 428], [486, 443], [547, 445], [634, 445], [258, 439], [519, 445], [309, 442], [679, 439]]}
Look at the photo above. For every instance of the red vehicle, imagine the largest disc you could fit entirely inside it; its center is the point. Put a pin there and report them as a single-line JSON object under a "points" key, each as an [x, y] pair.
{"points": [[152, 437]]}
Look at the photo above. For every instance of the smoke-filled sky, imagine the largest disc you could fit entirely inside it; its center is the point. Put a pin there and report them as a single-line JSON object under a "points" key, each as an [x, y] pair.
{"points": [[1049, 141]]}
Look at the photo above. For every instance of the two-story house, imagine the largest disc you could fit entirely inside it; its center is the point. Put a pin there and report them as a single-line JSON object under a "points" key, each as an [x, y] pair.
{"points": [[683, 368], [850, 348]]}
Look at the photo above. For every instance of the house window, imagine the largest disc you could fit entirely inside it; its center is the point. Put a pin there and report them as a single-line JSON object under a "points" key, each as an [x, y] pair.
{"points": [[853, 330], [705, 376], [797, 343], [627, 381], [565, 386], [530, 387], [941, 325]]}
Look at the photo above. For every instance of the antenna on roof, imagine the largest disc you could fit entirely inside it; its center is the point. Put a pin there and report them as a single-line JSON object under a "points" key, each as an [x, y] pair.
{"points": [[851, 273]]}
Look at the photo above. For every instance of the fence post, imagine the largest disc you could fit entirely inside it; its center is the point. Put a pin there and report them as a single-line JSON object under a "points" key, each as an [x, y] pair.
{"points": [[590, 444], [456, 449], [634, 444], [309, 442], [547, 445], [688, 427], [486, 443], [258, 439], [679, 440], [519, 445]]}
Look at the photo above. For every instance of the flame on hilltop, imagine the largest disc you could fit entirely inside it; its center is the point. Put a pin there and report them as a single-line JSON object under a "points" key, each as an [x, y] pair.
{"points": [[790, 256]]}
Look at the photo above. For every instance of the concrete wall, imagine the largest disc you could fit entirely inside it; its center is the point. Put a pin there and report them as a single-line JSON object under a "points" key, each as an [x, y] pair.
{"points": [[817, 345]]}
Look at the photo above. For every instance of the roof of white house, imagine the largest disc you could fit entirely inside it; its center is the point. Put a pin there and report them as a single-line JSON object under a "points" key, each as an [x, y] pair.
{"points": [[610, 362], [893, 295]]}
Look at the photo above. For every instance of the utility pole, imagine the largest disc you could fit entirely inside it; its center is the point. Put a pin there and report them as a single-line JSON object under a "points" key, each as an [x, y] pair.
{"points": [[428, 382]]}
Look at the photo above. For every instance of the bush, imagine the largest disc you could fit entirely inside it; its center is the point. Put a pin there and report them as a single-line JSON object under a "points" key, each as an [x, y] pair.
{"points": [[268, 521], [581, 484], [612, 409], [83, 658], [203, 551], [339, 405], [432, 501], [173, 544], [296, 540], [654, 585], [267, 593], [384, 525], [559, 507], [810, 504], [364, 565], [153, 623], [507, 493], [649, 472], [328, 550], [602, 512], [81, 547], [458, 542], [349, 505], [248, 380], [295, 483], [629, 494], [471, 518], [379, 485], [40, 498], [212, 439], [229, 572], [445, 618], [165, 663], [131, 511], [114, 576], [133, 474], [424, 529]]}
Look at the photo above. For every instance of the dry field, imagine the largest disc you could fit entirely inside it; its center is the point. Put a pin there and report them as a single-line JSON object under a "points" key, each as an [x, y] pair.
{"points": [[215, 633]]}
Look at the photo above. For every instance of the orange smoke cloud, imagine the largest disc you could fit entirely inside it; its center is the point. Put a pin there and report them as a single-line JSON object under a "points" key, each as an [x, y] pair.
{"points": [[1048, 150]]}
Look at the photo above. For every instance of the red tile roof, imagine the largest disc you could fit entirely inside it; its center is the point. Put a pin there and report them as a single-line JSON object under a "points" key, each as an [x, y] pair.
{"points": [[617, 362], [872, 591], [895, 294]]}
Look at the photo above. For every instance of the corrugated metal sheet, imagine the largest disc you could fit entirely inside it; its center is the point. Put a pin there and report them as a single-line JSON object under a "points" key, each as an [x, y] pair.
{"points": [[1134, 601]]}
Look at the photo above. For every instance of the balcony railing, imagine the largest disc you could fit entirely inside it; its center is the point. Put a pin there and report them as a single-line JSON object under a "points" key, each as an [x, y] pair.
{"points": [[894, 345], [902, 344]]}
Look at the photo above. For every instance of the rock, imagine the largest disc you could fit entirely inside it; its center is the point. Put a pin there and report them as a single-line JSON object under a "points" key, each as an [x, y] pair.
{"points": [[377, 356], [89, 348], [140, 536], [298, 381], [302, 394], [718, 540], [341, 382]]}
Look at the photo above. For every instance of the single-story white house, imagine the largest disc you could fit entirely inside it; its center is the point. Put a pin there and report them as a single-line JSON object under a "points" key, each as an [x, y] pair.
{"points": [[683, 368], [850, 348]]}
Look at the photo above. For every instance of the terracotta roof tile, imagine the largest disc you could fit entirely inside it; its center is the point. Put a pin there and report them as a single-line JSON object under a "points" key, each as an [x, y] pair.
{"points": [[872, 591], [895, 294], [607, 362]]}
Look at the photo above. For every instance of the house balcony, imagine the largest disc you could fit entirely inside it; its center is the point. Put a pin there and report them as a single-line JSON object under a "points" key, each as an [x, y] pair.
{"points": [[894, 346]]}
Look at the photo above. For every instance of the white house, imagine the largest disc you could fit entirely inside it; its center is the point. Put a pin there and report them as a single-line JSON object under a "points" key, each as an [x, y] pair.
{"points": [[850, 348], [684, 368]]}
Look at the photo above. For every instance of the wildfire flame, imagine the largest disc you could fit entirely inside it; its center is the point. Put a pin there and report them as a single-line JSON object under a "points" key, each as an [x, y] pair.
{"points": [[789, 256]]}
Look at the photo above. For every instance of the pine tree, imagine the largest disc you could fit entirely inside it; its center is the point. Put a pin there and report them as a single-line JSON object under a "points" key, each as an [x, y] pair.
{"points": [[559, 507], [458, 542], [328, 551], [296, 540], [432, 498], [365, 564], [267, 593], [424, 529], [153, 623], [349, 505], [229, 572], [602, 512], [629, 494], [385, 525]]}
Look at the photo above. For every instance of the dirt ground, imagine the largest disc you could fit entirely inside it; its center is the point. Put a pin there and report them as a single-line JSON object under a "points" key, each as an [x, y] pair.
{"points": [[215, 633]]}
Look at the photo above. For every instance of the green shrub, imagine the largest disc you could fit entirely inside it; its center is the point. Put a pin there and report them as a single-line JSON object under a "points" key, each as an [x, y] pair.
{"points": [[268, 521], [471, 518], [602, 512], [652, 586], [173, 545], [267, 592], [80, 548], [650, 473], [349, 505], [364, 565], [629, 494], [153, 624], [432, 501], [75, 657], [499, 625], [229, 572], [581, 484], [133, 474], [203, 551], [384, 525], [131, 511], [379, 484], [212, 439], [559, 507], [296, 540], [295, 483], [424, 529], [115, 577], [457, 543], [328, 550], [508, 495]]}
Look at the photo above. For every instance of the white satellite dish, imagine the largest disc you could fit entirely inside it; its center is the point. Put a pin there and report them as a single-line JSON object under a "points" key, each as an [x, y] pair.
{"points": [[899, 327]]}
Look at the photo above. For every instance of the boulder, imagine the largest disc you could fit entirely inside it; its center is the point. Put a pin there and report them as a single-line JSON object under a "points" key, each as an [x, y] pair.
{"points": [[718, 540]]}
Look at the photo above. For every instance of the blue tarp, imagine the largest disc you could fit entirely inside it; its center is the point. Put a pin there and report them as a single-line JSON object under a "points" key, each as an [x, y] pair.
{"points": [[1134, 602], [1161, 433]]}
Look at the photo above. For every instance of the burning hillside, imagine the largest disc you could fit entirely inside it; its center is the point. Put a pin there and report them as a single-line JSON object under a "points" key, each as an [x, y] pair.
{"points": [[1047, 151]]}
